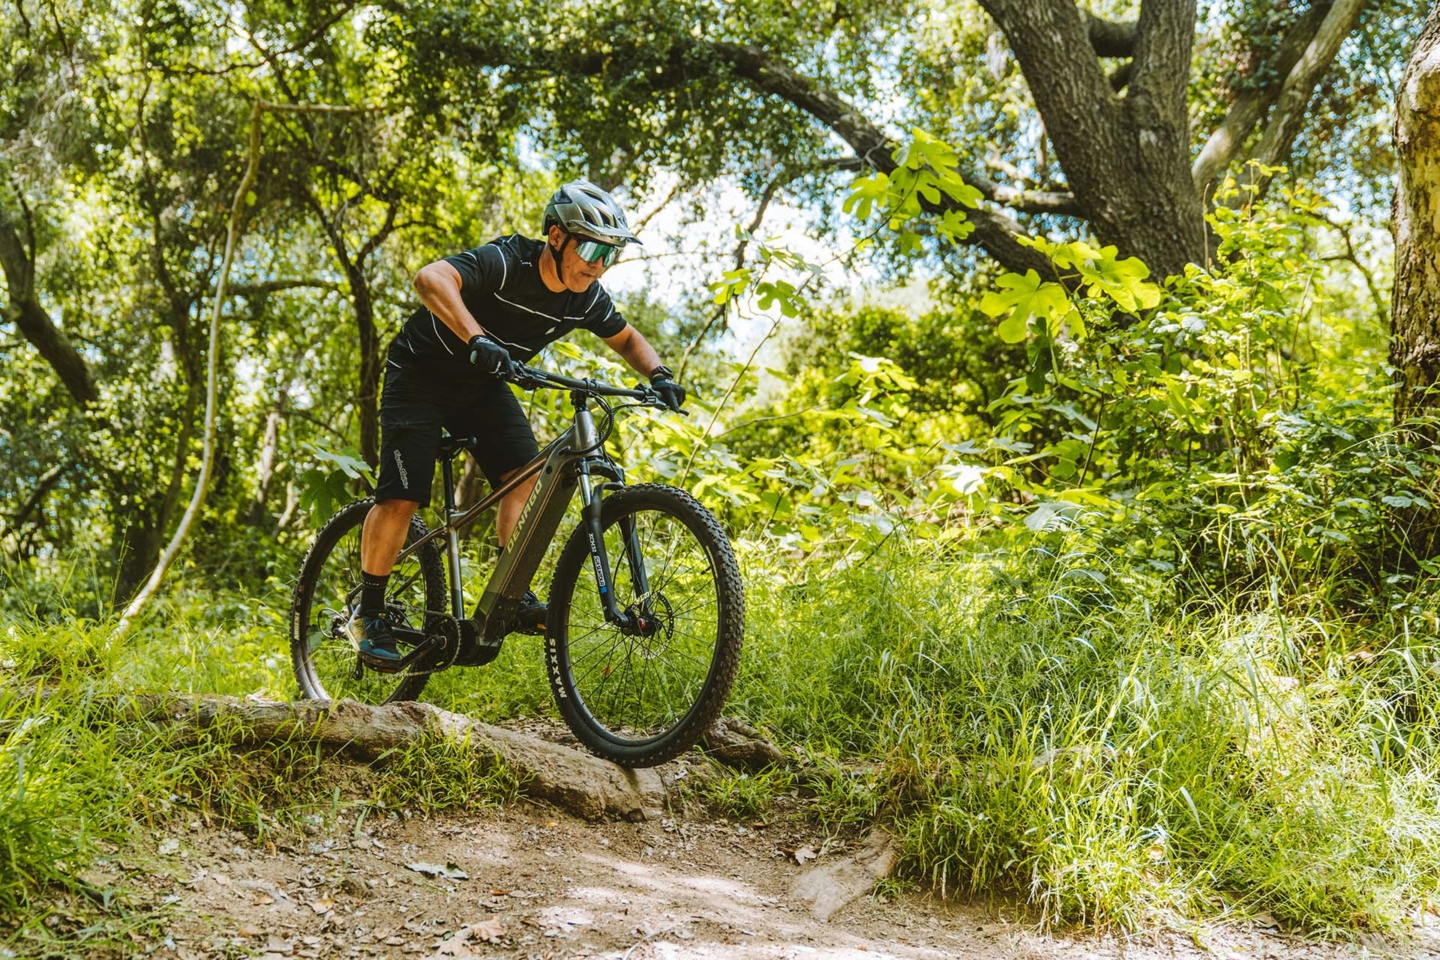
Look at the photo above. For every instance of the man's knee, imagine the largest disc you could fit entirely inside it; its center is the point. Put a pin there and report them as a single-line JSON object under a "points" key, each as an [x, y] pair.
{"points": [[394, 510]]}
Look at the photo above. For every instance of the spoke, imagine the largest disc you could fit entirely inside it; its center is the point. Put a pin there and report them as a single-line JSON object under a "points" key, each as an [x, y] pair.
{"points": [[576, 661], [709, 601], [596, 666], [676, 654], [690, 569], [627, 669], [574, 642]]}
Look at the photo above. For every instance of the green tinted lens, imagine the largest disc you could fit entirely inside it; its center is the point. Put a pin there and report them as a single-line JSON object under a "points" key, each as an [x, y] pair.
{"points": [[592, 250]]}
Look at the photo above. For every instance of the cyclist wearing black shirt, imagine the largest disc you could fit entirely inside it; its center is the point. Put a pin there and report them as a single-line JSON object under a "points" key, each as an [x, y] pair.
{"points": [[482, 311]]}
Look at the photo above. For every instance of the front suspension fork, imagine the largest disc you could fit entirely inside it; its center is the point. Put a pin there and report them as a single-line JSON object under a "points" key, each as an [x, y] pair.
{"points": [[591, 503]]}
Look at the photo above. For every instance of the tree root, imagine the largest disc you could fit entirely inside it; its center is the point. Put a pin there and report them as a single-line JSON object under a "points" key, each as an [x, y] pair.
{"points": [[736, 744], [576, 782]]}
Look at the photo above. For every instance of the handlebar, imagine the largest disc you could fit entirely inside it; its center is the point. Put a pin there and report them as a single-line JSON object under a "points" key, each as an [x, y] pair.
{"points": [[531, 378]]}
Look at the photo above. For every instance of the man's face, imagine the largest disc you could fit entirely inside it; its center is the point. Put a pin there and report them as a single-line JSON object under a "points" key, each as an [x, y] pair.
{"points": [[577, 274]]}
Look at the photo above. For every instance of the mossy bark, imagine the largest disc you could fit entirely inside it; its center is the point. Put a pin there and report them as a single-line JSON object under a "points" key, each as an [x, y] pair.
{"points": [[1415, 314]]}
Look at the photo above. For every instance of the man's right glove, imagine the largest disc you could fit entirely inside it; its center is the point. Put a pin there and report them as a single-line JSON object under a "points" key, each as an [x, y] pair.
{"points": [[492, 359], [662, 381]]}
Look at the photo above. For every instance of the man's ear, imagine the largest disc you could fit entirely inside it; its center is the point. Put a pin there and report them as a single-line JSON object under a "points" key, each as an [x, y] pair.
{"points": [[555, 236]]}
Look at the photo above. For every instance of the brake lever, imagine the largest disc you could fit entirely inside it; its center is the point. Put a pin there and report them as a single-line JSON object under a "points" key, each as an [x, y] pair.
{"points": [[525, 380]]}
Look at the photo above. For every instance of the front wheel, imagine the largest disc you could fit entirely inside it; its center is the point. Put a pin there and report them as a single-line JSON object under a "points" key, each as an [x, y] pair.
{"points": [[641, 696]]}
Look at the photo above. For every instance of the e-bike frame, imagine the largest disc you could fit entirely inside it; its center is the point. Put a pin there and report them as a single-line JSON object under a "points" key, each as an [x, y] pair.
{"points": [[569, 461]]}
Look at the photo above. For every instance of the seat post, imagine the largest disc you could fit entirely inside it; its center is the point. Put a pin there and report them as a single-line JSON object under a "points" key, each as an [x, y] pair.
{"points": [[447, 474]]}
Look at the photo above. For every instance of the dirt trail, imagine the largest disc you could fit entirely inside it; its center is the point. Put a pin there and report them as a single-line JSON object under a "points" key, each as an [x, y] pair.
{"points": [[538, 884]]}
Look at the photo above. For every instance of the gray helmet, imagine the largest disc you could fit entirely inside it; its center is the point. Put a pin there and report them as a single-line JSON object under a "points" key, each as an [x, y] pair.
{"points": [[582, 208]]}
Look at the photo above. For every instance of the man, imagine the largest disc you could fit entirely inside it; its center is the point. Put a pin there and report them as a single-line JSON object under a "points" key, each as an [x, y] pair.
{"points": [[483, 311]]}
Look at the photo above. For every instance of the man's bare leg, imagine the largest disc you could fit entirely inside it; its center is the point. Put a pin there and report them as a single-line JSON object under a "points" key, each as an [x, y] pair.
{"points": [[380, 541], [508, 513], [385, 527]]}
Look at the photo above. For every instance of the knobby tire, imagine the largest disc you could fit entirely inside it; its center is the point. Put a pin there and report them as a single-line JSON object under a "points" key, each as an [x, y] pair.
{"points": [[624, 725]]}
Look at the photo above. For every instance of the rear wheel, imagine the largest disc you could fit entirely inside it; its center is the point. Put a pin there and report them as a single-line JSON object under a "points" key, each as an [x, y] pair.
{"points": [[328, 592], [641, 696]]}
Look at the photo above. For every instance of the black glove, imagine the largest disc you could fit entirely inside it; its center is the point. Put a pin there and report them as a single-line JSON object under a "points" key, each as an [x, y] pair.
{"points": [[662, 381], [492, 359]]}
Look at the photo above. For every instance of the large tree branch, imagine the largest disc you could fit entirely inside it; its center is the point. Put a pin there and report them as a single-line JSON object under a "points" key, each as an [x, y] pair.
{"points": [[1288, 117], [43, 486], [275, 286], [1052, 41], [1025, 201], [996, 234], [1250, 104], [1084, 118], [34, 323]]}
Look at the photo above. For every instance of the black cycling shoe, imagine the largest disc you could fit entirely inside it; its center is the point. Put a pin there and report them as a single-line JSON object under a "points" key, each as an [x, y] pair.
{"points": [[375, 642], [530, 618]]}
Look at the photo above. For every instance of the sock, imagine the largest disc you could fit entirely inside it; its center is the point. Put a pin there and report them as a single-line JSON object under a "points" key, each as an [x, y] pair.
{"points": [[372, 593]]}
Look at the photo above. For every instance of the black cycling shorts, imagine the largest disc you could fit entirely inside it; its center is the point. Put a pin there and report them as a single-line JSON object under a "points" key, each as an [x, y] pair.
{"points": [[417, 404]]}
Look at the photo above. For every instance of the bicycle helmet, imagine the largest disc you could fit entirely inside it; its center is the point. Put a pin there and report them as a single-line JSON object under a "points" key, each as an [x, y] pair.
{"points": [[581, 208]]}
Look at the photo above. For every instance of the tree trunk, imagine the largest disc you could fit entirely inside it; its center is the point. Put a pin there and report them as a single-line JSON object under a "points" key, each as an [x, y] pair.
{"points": [[1126, 158], [141, 518], [136, 543], [367, 398], [1415, 314], [256, 516]]}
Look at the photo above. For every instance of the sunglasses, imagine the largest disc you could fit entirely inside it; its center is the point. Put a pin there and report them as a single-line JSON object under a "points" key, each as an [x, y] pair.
{"points": [[593, 250]]}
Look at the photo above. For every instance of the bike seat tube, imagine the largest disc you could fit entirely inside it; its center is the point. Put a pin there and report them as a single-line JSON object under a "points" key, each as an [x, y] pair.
{"points": [[452, 540]]}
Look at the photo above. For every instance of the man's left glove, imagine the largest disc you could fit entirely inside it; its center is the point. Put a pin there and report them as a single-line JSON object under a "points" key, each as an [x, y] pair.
{"points": [[662, 381]]}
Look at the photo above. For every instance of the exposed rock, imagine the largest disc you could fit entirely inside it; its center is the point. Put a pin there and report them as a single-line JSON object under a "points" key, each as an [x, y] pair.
{"points": [[829, 887]]}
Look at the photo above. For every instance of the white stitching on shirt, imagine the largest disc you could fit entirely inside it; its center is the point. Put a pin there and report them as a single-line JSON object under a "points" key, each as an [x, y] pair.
{"points": [[593, 297], [507, 343], [437, 334], [504, 270], [525, 308]]}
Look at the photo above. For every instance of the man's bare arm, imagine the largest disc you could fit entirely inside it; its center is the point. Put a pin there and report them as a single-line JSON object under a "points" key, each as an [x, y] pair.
{"points": [[439, 285], [635, 350]]}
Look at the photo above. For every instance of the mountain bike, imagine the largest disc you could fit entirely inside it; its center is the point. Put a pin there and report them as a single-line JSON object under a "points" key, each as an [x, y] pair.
{"points": [[639, 661]]}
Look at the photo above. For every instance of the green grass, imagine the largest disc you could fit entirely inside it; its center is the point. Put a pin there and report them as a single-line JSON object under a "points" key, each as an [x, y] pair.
{"points": [[1024, 723], [1063, 738], [74, 781]]}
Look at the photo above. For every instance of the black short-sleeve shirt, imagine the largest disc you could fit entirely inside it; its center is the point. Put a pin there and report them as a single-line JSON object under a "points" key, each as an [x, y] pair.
{"points": [[501, 286]]}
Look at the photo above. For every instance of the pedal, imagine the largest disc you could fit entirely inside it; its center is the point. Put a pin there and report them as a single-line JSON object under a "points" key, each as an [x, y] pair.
{"points": [[443, 643]]}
